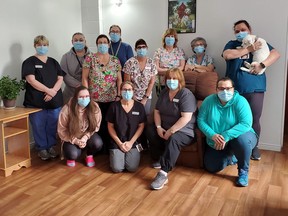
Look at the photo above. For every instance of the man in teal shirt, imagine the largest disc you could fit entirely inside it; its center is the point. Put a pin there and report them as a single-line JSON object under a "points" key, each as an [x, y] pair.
{"points": [[226, 120]]}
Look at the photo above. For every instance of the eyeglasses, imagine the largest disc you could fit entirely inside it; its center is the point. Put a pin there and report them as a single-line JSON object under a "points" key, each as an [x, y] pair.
{"points": [[225, 88], [115, 32], [127, 90]]}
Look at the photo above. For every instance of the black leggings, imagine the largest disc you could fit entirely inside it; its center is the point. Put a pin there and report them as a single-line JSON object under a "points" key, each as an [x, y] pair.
{"points": [[72, 152]]}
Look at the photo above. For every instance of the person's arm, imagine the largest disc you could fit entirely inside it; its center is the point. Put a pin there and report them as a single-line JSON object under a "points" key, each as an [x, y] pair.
{"points": [[85, 73], [182, 64], [68, 78], [39, 86], [202, 68], [161, 71], [180, 123], [137, 134], [114, 136], [119, 81], [58, 83], [237, 53], [157, 120], [273, 57]]}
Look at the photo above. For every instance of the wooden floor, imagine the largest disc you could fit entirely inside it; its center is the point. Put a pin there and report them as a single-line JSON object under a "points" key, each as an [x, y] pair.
{"points": [[52, 188]]}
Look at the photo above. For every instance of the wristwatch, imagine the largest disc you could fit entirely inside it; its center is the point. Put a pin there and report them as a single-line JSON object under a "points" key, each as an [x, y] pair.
{"points": [[262, 65]]}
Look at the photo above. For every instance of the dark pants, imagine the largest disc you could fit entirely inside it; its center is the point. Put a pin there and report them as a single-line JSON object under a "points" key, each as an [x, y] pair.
{"points": [[72, 152], [103, 131], [241, 147], [256, 103], [167, 151]]}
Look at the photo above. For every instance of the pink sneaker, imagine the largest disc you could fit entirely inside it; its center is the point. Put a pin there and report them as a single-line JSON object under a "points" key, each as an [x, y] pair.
{"points": [[90, 161], [70, 163]]}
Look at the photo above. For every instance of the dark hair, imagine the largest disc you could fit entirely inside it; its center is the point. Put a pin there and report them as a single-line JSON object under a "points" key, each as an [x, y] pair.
{"points": [[242, 21], [117, 26], [102, 36], [225, 79], [140, 42], [73, 125]]}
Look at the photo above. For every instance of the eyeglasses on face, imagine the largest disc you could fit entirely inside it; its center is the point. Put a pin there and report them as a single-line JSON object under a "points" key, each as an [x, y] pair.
{"points": [[225, 88], [127, 90], [140, 47]]}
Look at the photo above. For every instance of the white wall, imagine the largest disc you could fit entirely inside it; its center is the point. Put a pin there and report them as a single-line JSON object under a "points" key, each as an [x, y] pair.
{"points": [[21, 21], [148, 19]]}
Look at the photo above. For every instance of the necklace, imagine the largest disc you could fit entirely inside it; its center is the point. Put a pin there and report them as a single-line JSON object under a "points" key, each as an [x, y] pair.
{"points": [[116, 50]]}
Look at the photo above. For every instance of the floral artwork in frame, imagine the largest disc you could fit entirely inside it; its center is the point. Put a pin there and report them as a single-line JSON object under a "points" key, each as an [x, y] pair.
{"points": [[182, 15]]}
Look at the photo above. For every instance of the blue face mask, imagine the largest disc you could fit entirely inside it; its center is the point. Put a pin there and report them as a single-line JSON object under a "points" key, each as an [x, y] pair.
{"points": [[83, 102], [42, 50], [78, 46], [241, 35], [199, 49], [127, 95], [115, 37], [225, 95], [103, 48], [142, 52], [169, 41], [172, 84]]}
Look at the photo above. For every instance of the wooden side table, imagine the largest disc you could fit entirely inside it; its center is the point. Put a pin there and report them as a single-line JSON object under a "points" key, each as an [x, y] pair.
{"points": [[14, 137]]}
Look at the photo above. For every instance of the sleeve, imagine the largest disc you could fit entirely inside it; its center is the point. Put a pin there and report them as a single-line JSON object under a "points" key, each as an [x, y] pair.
{"points": [[187, 101], [127, 67], [98, 116], [143, 117], [156, 55], [64, 63], [60, 72], [62, 127], [87, 61], [270, 47], [209, 60], [28, 68], [182, 54], [244, 115], [129, 52], [189, 61], [153, 68]]}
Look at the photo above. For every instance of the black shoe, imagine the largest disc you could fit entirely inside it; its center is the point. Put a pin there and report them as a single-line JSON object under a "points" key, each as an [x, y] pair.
{"points": [[256, 154]]}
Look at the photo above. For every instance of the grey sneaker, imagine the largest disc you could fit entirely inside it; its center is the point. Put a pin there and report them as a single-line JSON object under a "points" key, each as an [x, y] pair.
{"points": [[44, 155], [52, 152], [156, 165], [159, 181]]}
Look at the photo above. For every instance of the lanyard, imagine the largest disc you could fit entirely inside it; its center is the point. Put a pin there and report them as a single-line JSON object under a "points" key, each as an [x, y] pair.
{"points": [[116, 50], [78, 58]]}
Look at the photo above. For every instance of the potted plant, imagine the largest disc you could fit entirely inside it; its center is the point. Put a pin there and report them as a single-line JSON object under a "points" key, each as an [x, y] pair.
{"points": [[9, 90]]}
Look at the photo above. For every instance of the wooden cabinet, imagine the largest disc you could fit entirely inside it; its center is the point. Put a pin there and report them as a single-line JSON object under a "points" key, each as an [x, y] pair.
{"points": [[15, 142]]}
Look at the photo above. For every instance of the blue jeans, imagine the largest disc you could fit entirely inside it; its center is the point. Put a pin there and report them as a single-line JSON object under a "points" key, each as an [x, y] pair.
{"points": [[241, 147], [44, 127]]}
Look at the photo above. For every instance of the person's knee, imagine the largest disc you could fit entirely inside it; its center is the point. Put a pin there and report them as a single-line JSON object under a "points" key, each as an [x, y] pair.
{"points": [[71, 155], [212, 166], [116, 168], [132, 167]]}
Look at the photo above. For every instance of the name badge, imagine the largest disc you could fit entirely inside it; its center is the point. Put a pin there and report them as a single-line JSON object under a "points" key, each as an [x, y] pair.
{"points": [[175, 100], [135, 113], [147, 68], [38, 66]]}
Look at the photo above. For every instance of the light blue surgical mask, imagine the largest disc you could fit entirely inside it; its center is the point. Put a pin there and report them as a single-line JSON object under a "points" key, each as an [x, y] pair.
{"points": [[172, 83], [42, 50], [83, 102], [78, 46], [103, 48], [199, 49], [142, 52], [115, 37], [169, 41], [127, 95], [225, 95], [241, 35]]}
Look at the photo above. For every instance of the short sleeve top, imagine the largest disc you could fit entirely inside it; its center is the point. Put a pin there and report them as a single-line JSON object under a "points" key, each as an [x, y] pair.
{"points": [[170, 111], [45, 73], [206, 60], [140, 79], [125, 124], [102, 80]]}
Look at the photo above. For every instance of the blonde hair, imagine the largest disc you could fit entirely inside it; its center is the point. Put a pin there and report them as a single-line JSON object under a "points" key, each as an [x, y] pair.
{"points": [[179, 75], [170, 31], [41, 39]]}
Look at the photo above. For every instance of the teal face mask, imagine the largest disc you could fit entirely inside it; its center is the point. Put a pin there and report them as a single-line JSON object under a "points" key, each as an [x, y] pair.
{"points": [[241, 35], [103, 48], [42, 50], [115, 37], [142, 52], [172, 84], [78, 46], [225, 95], [199, 49], [169, 41], [83, 102], [127, 95]]}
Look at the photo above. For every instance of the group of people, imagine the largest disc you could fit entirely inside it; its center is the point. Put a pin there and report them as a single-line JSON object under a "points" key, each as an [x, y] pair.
{"points": [[107, 100]]}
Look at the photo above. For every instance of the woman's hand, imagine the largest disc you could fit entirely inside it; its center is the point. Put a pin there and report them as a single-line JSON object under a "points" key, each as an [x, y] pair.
{"points": [[167, 134], [144, 101], [219, 142], [128, 145], [161, 132], [256, 46]]}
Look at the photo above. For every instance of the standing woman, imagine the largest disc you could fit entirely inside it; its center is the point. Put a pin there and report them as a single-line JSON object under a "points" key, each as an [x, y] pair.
{"points": [[174, 125], [126, 119], [44, 78], [102, 76], [141, 71], [167, 57], [79, 120], [250, 85], [200, 61], [71, 64]]}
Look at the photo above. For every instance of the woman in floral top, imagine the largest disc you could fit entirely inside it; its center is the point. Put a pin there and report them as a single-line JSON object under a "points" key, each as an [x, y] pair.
{"points": [[200, 61], [141, 71], [167, 57], [101, 74]]}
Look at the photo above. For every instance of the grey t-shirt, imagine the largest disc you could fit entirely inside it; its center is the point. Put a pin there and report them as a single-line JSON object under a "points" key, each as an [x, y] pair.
{"points": [[170, 111]]}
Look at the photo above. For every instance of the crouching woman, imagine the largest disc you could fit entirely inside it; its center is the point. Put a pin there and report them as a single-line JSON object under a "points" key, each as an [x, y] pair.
{"points": [[126, 119], [79, 120]]}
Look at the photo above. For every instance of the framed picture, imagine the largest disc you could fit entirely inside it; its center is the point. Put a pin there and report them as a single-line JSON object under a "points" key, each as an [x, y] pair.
{"points": [[182, 15]]}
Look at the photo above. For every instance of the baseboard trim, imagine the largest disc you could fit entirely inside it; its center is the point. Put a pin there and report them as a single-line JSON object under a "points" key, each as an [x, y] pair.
{"points": [[270, 147]]}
